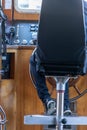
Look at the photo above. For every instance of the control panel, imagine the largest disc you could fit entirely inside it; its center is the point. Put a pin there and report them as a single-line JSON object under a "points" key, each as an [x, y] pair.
{"points": [[23, 33]]}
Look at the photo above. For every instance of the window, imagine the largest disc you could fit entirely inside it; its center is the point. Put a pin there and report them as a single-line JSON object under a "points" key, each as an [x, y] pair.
{"points": [[28, 6]]}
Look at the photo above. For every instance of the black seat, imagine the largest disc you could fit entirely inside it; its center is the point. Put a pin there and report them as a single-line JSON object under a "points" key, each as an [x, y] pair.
{"points": [[61, 38]]}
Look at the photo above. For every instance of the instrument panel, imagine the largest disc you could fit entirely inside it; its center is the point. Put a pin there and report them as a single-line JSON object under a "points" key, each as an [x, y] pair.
{"points": [[23, 33]]}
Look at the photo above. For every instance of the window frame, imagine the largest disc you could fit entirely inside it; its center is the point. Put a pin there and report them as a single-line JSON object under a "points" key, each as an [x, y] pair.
{"points": [[31, 11]]}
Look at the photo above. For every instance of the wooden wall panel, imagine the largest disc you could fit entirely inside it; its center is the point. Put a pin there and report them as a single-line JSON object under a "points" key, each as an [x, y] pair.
{"points": [[8, 13], [27, 99]]}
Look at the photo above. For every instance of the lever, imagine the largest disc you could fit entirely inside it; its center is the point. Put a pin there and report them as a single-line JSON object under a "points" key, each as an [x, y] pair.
{"points": [[17, 41], [12, 33]]}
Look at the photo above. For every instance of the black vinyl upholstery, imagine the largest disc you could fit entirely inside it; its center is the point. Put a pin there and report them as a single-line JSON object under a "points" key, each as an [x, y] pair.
{"points": [[61, 38]]}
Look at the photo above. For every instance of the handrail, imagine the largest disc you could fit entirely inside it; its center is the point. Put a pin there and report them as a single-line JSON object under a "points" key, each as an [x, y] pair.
{"points": [[3, 116]]}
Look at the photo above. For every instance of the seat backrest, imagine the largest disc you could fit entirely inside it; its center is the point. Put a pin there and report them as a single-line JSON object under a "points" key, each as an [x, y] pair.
{"points": [[61, 37]]}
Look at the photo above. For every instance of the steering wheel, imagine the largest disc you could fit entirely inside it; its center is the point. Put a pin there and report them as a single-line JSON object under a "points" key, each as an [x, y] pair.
{"points": [[77, 87]]}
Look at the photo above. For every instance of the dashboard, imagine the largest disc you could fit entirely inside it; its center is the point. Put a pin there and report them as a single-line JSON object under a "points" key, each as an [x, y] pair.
{"points": [[22, 33]]}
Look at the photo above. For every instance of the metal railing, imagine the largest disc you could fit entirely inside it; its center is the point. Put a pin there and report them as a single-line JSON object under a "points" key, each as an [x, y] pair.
{"points": [[2, 119]]}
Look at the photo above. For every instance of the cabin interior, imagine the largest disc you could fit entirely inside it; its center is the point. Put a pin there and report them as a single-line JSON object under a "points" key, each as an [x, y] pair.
{"points": [[18, 96]]}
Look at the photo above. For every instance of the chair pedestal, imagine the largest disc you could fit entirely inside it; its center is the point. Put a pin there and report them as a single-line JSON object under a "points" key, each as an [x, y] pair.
{"points": [[60, 89]]}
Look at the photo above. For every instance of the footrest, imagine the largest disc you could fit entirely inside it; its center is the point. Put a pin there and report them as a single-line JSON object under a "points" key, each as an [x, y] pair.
{"points": [[51, 120], [39, 120]]}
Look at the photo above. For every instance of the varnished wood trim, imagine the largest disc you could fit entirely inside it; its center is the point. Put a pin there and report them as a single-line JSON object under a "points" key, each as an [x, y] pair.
{"points": [[23, 16]]}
